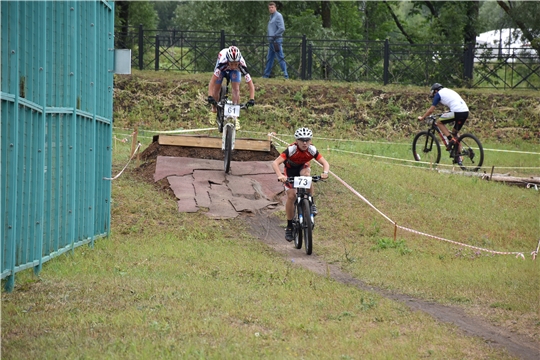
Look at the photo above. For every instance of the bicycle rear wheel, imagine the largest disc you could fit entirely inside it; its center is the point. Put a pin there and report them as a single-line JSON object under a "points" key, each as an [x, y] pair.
{"points": [[426, 147], [228, 149], [471, 154], [307, 226]]}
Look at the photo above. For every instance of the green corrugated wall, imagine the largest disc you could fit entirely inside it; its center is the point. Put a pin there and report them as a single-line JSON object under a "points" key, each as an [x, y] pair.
{"points": [[56, 129]]}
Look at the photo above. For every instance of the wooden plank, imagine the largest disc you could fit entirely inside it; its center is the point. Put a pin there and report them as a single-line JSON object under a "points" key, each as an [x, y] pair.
{"points": [[213, 142]]}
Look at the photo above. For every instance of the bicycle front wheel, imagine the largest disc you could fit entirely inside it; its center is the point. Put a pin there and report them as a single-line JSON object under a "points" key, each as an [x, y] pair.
{"points": [[471, 154], [228, 149], [426, 147], [220, 113], [307, 226]]}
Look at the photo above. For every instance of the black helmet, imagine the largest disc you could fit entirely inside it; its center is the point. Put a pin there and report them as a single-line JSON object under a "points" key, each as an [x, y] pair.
{"points": [[434, 87]]}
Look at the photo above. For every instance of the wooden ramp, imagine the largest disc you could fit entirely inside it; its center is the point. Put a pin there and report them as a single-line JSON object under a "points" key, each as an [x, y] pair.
{"points": [[204, 141]]}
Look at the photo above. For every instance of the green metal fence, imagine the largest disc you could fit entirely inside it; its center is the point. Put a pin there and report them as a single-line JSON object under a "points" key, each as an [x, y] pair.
{"points": [[56, 129]]}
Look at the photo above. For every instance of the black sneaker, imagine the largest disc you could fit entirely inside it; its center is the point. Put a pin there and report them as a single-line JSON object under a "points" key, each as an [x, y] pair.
{"points": [[289, 234], [314, 210]]}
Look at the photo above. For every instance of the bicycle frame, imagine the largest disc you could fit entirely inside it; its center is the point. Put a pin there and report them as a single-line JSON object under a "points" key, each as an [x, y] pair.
{"points": [[434, 128], [301, 225]]}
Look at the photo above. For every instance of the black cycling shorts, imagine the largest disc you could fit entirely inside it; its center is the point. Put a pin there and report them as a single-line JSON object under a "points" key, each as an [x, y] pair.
{"points": [[458, 118]]}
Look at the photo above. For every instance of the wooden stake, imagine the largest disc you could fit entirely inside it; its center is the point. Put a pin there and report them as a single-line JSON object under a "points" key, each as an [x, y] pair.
{"points": [[395, 231], [133, 142], [490, 176], [138, 153]]}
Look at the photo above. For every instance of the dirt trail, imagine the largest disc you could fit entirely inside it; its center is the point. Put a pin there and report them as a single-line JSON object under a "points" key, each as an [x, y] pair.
{"points": [[269, 229]]}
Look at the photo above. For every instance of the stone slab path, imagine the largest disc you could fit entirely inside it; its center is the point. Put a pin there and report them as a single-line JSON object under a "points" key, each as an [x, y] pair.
{"points": [[201, 184]]}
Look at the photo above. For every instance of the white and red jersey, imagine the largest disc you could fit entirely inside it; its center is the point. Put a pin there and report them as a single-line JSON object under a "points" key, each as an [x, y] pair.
{"points": [[294, 157], [222, 64]]}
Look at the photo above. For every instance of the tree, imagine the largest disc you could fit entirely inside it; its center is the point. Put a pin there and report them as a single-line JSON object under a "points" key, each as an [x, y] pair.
{"points": [[526, 16], [133, 13], [166, 13], [326, 14], [398, 23]]}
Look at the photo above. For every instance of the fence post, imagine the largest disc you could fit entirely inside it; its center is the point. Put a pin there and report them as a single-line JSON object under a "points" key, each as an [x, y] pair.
{"points": [[156, 63], [303, 74], [309, 61], [141, 45], [386, 61], [222, 40]]}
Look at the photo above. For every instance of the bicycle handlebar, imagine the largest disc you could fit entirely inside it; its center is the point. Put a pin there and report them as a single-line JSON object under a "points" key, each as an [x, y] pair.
{"points": [[430, 120], [315, 178], [242, 106]]}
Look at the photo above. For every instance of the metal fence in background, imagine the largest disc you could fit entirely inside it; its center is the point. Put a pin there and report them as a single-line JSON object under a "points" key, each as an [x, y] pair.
{"points": [[56, 129], [342, 60]]}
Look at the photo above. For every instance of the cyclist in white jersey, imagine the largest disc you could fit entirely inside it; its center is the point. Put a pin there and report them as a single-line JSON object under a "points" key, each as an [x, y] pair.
{"points": [[458, 114], [230, 62]]}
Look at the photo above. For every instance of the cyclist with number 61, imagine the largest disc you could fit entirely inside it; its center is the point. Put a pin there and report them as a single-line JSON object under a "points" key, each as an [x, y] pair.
{"points": [[230, 62], [296, 159], [459, 111]]}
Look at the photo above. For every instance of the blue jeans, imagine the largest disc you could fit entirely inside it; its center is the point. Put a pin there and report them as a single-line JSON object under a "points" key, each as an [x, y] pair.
{"points": [[270, 60]]}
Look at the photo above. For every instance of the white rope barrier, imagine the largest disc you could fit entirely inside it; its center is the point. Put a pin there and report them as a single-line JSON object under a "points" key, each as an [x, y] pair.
{"points": [[428, 163], [534, 254], [131, 158], [396, 226], [178, 131]]}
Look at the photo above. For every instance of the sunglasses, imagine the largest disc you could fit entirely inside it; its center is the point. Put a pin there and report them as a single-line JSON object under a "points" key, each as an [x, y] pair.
{"points": [[304, 140]]}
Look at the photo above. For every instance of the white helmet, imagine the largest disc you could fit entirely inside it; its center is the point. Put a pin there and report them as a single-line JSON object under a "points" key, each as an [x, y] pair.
{"points": [[233, 54], [303, 133]]}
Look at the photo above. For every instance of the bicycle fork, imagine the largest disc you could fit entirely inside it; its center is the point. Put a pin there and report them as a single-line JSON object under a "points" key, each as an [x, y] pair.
{"points": [[228, 127]]}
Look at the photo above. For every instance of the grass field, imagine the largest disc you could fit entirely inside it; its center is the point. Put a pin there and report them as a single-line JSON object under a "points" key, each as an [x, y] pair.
{"points": [[172, 285], [168, 285]]}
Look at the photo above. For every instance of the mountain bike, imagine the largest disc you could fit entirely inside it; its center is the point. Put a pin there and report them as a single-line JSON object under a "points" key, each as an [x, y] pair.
{"points": [[303, 220], [467, 152], [227, 114]]}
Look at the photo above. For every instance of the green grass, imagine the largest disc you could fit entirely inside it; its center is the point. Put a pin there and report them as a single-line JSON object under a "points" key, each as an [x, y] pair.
{"points": [[466, 210], [170, 285]]}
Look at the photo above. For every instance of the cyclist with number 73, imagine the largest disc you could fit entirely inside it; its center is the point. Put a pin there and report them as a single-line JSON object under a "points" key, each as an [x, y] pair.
{"points": [[296, 159], [230, 62]]}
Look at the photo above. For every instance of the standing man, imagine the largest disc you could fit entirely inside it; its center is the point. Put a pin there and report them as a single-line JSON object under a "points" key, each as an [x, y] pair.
{"points": [[276, 28]]}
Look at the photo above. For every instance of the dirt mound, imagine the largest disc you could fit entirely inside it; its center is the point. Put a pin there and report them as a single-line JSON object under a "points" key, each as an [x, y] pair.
{"points": [[148, 168]]}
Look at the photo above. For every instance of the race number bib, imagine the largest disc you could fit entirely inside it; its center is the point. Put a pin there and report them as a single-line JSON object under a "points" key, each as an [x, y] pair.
{"points": [[302, 182], [232, 110]]}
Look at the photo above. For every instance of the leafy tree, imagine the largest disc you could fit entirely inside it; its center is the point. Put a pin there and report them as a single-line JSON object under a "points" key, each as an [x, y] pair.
{"points": [[526, 16], [378, 23], [133, 13], [237, 17], [445, 22], [166, 14]]}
